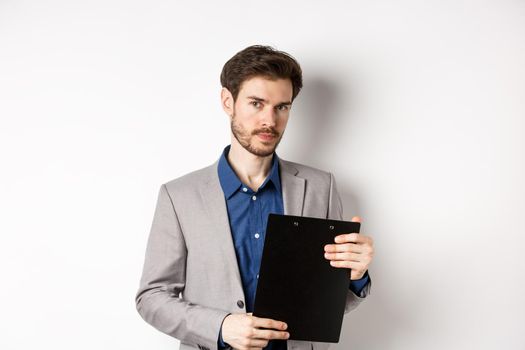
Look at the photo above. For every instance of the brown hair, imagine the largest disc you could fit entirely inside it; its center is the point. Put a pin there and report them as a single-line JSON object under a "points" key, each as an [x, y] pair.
{"points": [[259, 60]]}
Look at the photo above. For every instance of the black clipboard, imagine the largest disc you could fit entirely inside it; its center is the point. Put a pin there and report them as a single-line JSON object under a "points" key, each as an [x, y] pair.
{"points": [[296, 283]]}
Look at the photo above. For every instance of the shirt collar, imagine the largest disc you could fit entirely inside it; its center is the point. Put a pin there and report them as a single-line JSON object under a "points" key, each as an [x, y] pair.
{"points": [[231, 183]]}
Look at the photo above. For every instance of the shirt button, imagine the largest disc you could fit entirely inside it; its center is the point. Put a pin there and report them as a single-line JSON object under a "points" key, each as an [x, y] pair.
{"points": [[244, 189], [240, 304], [257, 276], [254, 197], [257, 235]]}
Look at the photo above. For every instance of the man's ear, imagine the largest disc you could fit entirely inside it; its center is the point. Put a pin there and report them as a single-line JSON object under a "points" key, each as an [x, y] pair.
{"points": [[227, 101]]}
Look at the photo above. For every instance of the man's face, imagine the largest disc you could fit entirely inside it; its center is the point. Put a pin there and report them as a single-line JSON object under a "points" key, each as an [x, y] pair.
{"points": [[260, 113]]}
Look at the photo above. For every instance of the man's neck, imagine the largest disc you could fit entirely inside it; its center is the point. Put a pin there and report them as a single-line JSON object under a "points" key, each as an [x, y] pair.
{"points": [[251, 169]]}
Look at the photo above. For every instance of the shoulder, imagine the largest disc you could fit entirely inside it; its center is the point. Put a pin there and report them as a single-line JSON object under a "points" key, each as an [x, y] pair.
{"points": [[192, 180], [306, 171]]}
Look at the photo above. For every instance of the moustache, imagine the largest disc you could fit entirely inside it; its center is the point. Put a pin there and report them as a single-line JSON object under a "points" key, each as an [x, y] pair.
{"points": [[265, 131]]}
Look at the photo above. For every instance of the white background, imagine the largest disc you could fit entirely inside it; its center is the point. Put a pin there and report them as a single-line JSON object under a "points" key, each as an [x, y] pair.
{"points": [[416, 106]]}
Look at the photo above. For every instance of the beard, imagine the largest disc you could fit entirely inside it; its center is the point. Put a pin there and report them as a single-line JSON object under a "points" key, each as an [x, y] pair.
{"points": [[246, 139]]}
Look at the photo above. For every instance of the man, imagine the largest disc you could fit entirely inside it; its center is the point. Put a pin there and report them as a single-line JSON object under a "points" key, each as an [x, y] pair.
{"points": [[205, 245]]}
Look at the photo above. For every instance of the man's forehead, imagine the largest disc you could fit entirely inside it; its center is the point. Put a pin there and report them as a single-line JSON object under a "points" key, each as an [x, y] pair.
{"points": [[267, 88]]}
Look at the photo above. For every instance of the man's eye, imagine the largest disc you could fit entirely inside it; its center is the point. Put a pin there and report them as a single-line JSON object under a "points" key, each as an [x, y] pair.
{"points": [[256, 104], [282, 108]]}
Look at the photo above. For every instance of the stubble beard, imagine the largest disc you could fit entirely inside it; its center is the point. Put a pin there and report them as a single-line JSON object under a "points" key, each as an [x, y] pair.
{"points": [[245, 138]]}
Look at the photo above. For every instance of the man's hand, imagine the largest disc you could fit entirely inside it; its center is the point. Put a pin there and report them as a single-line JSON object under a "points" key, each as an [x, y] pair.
{"points": [[351, 251], [245, 332]]}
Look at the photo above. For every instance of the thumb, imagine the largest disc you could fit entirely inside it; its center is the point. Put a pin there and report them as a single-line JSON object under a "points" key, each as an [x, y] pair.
{"points": [[356, 219]]}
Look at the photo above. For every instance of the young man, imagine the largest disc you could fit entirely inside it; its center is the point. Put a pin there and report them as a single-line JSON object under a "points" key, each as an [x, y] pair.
{"points": [[206, 240]]}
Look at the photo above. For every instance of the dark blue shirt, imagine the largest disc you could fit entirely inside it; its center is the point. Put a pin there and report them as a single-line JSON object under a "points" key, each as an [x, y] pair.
{"points": [[248, 212]]}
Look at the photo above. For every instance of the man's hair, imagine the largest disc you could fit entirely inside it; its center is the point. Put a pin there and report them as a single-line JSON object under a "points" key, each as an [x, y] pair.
{"points": [[264, 61]]}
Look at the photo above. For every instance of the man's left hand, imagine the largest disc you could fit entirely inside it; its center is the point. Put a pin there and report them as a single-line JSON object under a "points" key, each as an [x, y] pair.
{"points": [[352, 251]]}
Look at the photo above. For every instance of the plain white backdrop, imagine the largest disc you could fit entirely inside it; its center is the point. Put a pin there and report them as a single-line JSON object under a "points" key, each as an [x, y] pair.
{"points": [[417, 107]]}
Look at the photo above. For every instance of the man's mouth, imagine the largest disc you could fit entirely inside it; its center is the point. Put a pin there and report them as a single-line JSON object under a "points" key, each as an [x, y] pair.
{"points": [[266, 136]]}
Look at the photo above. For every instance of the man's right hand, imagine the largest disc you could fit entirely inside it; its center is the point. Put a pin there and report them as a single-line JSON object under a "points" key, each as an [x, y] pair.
{"points": [[243, 331]]}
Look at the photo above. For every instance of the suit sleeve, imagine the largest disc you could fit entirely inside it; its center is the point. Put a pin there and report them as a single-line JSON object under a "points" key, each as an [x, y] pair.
{"points": [[335, 211], [158, 299]]}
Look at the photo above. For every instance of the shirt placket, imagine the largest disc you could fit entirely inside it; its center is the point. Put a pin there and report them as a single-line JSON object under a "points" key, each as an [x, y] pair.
{"points": [[257, 240]]}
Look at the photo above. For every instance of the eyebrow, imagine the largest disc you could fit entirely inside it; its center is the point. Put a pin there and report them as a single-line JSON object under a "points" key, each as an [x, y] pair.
{"points": [[285, 103]]}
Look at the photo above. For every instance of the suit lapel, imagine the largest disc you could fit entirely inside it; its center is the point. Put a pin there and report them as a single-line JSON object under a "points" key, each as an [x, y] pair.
{"points": [[293, 188], [213, 198]]}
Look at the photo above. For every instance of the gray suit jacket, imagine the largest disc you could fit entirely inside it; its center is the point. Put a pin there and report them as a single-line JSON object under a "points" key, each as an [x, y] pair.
{"points": [[191, 280]]}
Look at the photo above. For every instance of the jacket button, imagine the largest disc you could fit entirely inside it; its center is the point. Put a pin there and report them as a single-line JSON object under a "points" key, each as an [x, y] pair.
{"points": [[240, 304]]}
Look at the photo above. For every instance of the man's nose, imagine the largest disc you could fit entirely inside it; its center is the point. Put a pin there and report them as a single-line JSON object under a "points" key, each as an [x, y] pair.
{"points": [[269, 116]]}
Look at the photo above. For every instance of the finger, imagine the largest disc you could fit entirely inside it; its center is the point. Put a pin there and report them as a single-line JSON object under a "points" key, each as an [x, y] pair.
{"points": [[270, 334], [350, 238], [268, 323], [344, 248], [349, 248], [356, 219], [362, 258], [354, 265], [344, 256]]}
